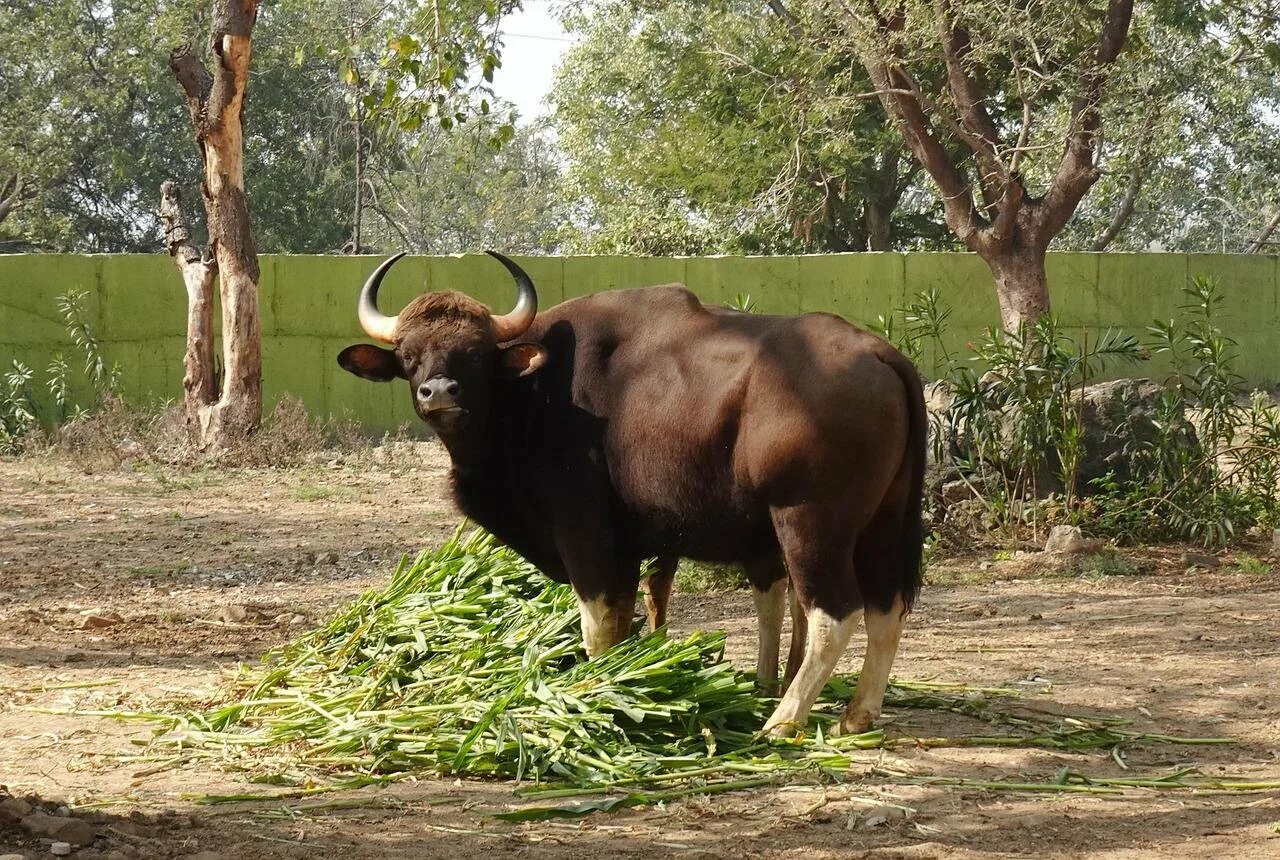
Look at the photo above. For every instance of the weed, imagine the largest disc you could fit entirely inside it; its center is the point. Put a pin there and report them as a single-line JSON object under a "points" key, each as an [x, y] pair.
{"points": [[696, 577], [1251, 565]]}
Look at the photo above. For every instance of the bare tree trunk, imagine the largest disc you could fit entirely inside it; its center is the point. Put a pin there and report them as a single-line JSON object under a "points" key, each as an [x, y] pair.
{"points": [[199, 382], [1021, 284], [216, 103], [879, 227], [358, 215]]}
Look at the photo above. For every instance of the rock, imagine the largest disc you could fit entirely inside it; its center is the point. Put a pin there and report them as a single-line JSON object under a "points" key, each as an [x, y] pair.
{"points": [[327, 558], [1116, 416], [74, 830], [1069, 540], [60, 849], [297, 620], [956, 491], [16, 806], [239, 613], [1200, 559], [94, 619], [12, 857]]}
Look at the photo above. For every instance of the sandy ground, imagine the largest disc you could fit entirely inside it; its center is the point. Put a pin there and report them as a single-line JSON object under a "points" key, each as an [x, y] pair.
{"points": [[146, 582]]}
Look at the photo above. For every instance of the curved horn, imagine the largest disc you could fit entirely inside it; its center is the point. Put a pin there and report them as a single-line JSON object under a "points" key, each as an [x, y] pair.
{"points": [[511, 325], [375, 323]]}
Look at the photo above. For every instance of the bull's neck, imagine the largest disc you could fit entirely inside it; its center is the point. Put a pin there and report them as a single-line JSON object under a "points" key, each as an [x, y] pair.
{"points": [[471, 447]]}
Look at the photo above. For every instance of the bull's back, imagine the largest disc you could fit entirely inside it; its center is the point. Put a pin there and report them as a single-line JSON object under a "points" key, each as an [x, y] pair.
{"points": [[710, 416]]}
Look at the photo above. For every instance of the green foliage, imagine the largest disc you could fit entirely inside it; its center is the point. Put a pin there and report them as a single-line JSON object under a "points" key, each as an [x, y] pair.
{"points": [[1014, 426], [696, 577], [1228, 476], [17, 407], [698, 128], [19, 413], [451, 193], [1022, 413]]}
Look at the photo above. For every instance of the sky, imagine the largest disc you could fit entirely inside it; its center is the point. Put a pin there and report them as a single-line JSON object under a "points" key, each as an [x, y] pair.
{"points": [[533, 44]]}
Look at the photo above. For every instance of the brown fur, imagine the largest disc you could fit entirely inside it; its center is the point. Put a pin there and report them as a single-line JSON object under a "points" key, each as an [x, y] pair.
{"points": [[446, 314]]}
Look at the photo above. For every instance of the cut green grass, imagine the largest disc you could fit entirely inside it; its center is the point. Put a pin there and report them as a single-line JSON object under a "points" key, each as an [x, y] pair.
{"points": [[469, 663]]}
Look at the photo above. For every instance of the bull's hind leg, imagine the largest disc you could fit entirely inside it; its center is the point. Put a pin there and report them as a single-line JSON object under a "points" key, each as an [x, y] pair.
{"points": [[884, 629], [878, 562], [657, 590], [769, 590], [818, 550]]}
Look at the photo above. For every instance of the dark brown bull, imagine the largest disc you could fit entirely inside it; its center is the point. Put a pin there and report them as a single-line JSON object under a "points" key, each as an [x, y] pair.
{"points": [[641, 423]]}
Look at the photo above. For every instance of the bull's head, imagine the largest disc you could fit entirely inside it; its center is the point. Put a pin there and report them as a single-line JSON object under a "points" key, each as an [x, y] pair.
{"points": [[449, 347]]}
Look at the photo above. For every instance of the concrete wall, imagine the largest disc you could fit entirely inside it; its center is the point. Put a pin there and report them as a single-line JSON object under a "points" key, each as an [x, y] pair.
{"points": [[137, 307]]}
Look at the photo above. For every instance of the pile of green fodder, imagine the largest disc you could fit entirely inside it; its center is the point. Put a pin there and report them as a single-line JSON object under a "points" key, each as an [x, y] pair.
{"points": [[469, 662]]}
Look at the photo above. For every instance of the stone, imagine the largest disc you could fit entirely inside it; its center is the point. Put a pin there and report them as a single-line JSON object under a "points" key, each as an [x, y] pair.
{"points": [[1069, 540], [239, 613], [16, 806], [74, 830], [327, 558], [95, 619], [12, 857], [60, 849], [1116, 416], [1200, 559], [956, 491]]}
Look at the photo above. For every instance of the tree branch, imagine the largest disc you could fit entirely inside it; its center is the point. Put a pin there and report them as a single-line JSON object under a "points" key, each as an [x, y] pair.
{"points": [[902, 99], [983, 136], [12, 193], [785, 14], [1077, 171], [1122, 214], [1261, 241], [195, 81]]}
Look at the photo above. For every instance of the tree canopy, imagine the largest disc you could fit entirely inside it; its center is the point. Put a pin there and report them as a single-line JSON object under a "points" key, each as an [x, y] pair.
{"points": [[723, 126]]}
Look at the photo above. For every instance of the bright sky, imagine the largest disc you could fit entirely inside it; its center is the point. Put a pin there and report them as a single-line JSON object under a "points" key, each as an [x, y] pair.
{"points": [[533, 44]]}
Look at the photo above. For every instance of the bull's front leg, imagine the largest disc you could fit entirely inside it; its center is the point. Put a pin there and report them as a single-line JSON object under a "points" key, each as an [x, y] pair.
{"points": [[604, 584], [606, 616]]}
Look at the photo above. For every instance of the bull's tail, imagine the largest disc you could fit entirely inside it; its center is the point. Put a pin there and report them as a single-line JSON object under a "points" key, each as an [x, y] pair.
{"points": [[889, 552], [910, 554]]}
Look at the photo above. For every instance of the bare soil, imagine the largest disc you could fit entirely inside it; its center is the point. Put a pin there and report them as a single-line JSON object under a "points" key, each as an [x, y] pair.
{"points": [[145, 583]]}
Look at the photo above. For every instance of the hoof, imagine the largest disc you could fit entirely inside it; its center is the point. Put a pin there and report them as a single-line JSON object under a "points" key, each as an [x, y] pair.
{"points": [[781, 730], [853, 724]]}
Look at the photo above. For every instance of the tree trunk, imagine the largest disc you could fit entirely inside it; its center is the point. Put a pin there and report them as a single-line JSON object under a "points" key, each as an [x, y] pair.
{"points": [[879, 226], [216, 103], [1021, 284], [199, 382]]}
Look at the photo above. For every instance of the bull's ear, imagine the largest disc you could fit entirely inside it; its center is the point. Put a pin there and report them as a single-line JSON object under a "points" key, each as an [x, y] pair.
{"points": [[521, 359], [371, 362]]}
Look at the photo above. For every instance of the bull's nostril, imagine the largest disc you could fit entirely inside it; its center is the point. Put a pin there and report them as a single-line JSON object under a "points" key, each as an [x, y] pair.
{"points": [[452, 388], [424, 391]]}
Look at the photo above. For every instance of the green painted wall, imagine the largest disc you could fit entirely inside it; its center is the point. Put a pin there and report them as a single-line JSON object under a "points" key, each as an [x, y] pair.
{"points": [[137, 305]]}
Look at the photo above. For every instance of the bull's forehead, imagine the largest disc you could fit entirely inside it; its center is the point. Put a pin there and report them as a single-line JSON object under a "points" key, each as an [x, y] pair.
{"points": [[444, 334]]}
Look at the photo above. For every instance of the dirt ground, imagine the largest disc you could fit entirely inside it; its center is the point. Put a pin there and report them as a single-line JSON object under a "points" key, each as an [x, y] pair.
{"points": [[144, 582]]}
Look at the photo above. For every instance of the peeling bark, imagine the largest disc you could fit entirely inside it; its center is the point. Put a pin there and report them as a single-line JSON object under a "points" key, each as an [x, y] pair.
{"points": [[216, 105]]}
